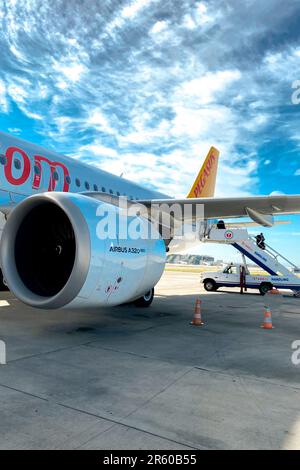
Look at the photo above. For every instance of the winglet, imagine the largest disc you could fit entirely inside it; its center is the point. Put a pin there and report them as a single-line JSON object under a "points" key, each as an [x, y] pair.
{"points": [[205, 183]]}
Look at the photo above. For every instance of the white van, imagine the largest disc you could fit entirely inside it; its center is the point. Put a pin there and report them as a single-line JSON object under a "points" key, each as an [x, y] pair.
{"points": [[230, 277]]}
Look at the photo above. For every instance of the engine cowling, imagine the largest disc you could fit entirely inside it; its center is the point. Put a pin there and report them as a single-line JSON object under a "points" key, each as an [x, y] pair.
{"points": [[52, 255]]}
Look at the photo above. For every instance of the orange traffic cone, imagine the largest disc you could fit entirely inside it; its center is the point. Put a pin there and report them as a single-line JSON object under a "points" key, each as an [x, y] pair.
{"points": [[267, 324], [197, 320]]}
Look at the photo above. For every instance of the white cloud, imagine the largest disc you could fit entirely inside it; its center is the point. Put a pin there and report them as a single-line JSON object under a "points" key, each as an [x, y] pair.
{"points": [[201, 17], [125, 14], [19, 54], [17, 93], [98, 150], [62, 84], [256, 121], [204, 90], [202, 123], [134, 8], [67, 72], [98, 120], [63, 124], [32, 115], [202, 14], [188, 22], [3, 98], [277, 193], [14, 130], [282, 65], [145, 135], [159, 27], [72, 72]]}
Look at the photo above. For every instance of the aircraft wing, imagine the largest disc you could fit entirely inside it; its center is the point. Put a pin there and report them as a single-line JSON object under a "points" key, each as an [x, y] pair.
{"points": [[258, 208]]}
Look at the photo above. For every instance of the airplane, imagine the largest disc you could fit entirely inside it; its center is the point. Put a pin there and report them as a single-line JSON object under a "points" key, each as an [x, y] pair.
{"points": [[51, 254]]}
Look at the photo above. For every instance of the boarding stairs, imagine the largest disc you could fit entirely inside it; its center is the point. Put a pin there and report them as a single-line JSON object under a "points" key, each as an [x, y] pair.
{"points": [[268, 259]]}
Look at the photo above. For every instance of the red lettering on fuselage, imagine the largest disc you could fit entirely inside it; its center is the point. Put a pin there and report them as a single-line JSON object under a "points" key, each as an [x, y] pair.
{"points": [[53, 166], [26, 170], [8, 167]]}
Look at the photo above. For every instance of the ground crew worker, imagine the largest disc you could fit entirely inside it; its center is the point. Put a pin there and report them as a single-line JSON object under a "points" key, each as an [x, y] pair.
{"points": [[260, 241], [221, 224]]}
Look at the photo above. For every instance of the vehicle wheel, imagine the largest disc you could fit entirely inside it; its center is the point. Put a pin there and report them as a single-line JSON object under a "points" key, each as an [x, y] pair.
{"points": [[210, 285], [146, 300], [264, 288], [3, 286]]}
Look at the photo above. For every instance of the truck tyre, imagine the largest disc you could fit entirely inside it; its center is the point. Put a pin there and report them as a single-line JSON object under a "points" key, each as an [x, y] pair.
{"points": [[146, 300], [210, 285], [264, 288]]}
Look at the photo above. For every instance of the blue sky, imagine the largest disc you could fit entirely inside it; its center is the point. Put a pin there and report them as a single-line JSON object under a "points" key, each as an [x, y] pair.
{"points": [[145, 87]]}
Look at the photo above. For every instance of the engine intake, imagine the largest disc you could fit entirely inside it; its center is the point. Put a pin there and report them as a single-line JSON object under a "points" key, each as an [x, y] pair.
{"points": [[44, 257], [45, 250]]}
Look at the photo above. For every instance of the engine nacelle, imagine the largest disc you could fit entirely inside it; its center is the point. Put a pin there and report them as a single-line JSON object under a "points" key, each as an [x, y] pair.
{"points": [[52, 255]]}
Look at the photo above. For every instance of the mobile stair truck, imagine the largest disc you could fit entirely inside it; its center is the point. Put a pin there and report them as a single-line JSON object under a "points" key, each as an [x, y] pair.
{"points": [[272, 262]]}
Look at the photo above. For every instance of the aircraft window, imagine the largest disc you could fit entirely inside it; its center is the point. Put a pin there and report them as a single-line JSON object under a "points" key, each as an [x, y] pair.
{"points": [[68, 179], [3, 159], [55, 175], [87, 185], [111, 191], [95, 187], [103, 189], [37, 170], [17, 164], [77, 181]]}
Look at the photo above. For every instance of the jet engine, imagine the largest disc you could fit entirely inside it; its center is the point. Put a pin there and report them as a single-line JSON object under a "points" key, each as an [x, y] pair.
{"points": [[54, 253]]}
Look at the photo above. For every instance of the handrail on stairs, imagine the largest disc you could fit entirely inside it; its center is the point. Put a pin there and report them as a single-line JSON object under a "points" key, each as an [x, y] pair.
{"points": [[275, 253]]}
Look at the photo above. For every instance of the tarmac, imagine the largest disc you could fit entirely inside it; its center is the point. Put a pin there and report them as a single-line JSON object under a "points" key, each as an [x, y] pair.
{"points": [[129, 378]]}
